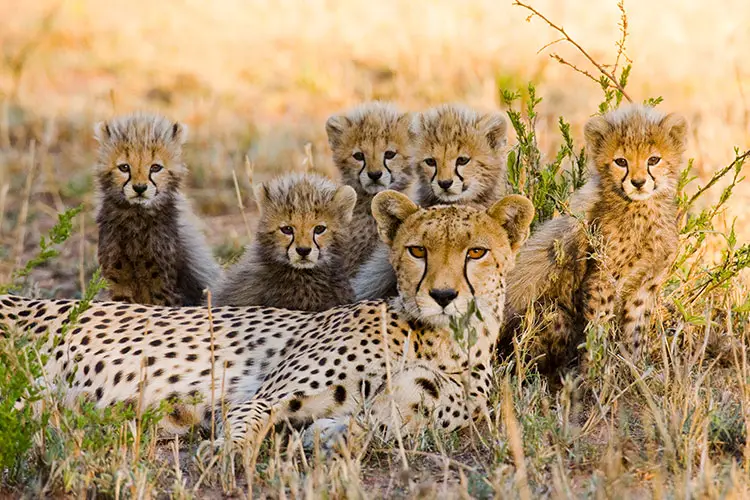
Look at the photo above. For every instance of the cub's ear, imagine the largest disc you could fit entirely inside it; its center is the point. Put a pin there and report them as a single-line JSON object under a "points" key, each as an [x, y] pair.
{"points": [[178, 133], [595, 131], [343, 203], [336, 125], [262, 196], [390, 209], [102, 132], [676, 127], [514, 213], [416, 125], [495, 128]]}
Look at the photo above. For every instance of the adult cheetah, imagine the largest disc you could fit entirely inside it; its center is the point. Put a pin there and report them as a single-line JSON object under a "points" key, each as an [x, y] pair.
{"points": [[304, 365]]}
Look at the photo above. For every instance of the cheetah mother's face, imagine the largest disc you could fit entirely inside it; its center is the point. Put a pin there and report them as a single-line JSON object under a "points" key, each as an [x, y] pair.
{"points": [[447, 256]]}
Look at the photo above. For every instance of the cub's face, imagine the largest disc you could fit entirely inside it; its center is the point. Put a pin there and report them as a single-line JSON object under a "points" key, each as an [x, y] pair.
{"points": [[140, 163], [637, 151], [304, 237], [459, 152], [447, 257], [371, 148]]}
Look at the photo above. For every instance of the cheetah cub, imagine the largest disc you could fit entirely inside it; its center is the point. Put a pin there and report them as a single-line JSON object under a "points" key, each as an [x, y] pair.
{"points": [[150, 249], [370, 145], [460, 157], [296, 259], [629, 212]]}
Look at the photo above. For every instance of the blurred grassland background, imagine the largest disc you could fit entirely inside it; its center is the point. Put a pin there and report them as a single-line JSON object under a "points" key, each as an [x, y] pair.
{"points": [[260, 78]]}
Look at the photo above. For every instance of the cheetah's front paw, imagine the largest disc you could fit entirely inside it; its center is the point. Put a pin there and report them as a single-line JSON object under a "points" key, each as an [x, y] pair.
{"points": [[332, 431]]}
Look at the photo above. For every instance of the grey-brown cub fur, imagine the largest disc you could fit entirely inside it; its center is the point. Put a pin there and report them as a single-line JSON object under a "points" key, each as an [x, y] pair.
{"points": [[150, 250], [296, 259], [608, 267], [370, 146]]}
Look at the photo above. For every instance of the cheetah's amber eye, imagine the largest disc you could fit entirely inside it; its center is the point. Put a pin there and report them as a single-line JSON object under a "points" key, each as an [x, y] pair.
{"points": [[417, 252], [653, 161], [320, 229], [621, 162], [359, 156], [462, 160], [124, 167], [389, 155], [156, 168], [430, 162], [286, 230], [476, 253]]}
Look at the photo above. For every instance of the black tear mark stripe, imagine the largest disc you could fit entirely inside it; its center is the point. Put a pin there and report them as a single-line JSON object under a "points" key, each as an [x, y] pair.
{"points": [[424, 273], [364, 164], [291, 242], [315, 240], [126, 182], [466, 276], [457, 174], [627, 171], [385, 165]]}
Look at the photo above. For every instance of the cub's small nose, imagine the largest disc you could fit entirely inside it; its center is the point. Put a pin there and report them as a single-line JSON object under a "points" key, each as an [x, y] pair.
{"points": [[443, 296], [638, 183], [140, 188], [375, 175], [304, 251], [445, 184]]}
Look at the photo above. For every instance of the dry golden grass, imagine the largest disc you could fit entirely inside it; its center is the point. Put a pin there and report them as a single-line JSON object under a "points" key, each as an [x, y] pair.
{"points": [[258, 78]]}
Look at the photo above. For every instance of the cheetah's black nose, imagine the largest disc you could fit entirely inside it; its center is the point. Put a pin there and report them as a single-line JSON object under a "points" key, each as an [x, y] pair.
{"points": [[375, 175], [638, 183], [140, 188], [443, 296], [304, 251], [445, 184]]}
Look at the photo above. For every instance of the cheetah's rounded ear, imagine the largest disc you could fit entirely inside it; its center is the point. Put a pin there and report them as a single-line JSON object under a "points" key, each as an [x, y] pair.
{"points": [[336, 125], [676, 126], [416, 125], [390, 209], [515, 213], [495, 128], [262, 196], [595, 131], [102, 132], [343, 202], [178, 133]]}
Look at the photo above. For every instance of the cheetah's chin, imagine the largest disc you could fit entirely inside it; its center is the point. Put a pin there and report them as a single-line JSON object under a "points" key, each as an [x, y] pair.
{"points": [[639, 196], [374, 188], [303, 264]]}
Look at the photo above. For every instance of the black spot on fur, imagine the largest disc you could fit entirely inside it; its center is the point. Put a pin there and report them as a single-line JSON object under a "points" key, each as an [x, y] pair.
{"points": [[339, 394], [429, 387]]}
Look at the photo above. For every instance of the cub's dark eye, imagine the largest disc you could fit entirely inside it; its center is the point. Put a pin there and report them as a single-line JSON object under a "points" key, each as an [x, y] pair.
{"points": [[417, 252], [286, 229], [653, 161], [389, 155], [320, 229], [124, 167], [156, 168], [621, 162], [476, 253], [462, 160], [430, 162], [359, 156]]}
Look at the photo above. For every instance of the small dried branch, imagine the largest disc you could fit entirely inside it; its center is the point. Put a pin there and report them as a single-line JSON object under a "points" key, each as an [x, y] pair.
{"points": [[621, 42], [614, 82]]}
